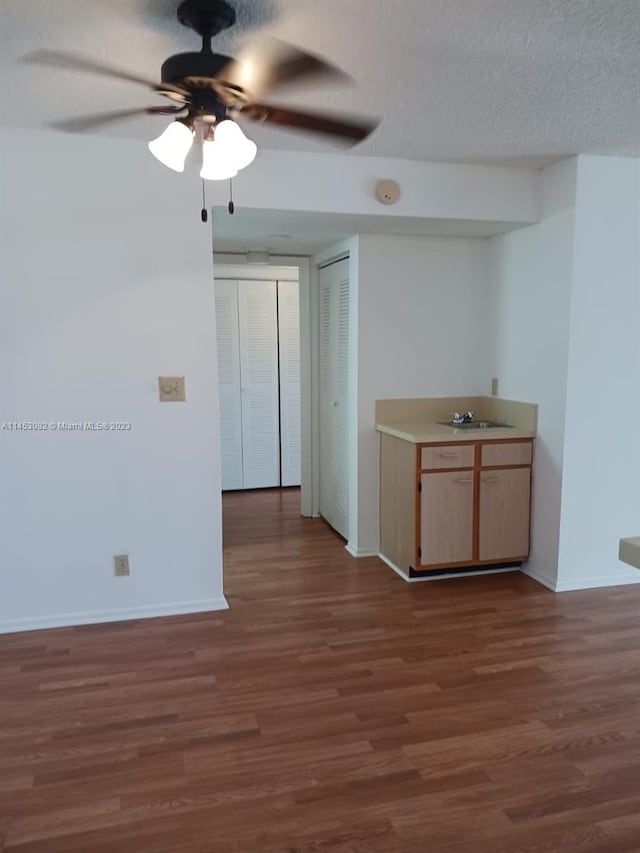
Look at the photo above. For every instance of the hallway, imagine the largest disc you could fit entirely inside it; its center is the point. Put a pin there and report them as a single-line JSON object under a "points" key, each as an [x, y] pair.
{"points": [[333, 708]]}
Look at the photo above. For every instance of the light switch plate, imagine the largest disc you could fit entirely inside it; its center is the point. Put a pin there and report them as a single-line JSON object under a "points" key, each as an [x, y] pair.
{"points": [[494, 387], [171, 389], [121, 564]]}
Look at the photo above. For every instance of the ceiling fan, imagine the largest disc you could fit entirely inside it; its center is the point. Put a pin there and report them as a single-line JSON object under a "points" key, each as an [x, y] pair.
{"points": [[206, 91]]}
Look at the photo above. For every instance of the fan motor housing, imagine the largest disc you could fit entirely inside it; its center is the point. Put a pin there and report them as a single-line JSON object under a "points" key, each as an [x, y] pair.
{"points": [[182, 66]]}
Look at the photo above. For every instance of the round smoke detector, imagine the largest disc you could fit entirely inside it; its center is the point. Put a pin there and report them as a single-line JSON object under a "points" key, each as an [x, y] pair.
{"points": [[388, 191]]}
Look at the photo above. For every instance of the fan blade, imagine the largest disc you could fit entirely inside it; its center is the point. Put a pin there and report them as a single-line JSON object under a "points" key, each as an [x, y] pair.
{"points": [[273, 63], [82, 123], [315, 122], [75, 62]]}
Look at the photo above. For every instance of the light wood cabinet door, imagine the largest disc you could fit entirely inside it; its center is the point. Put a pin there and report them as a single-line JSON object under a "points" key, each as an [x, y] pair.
{"points": [[504, 513], [446, 517]]}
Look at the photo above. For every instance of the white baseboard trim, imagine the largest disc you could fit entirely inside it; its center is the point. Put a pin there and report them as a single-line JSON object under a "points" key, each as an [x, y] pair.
{"points": [[444, 577], [92, 617], [395, 568], [540, 577], [360, 552], [598, 582]]}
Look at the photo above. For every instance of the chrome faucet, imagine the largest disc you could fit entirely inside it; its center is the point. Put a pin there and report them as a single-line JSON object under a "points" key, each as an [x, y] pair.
{"points": [[467, 418]]}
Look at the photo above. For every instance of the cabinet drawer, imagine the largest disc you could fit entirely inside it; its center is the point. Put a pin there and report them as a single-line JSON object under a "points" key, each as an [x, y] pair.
{"points": [[506, 454], [449, 456]]}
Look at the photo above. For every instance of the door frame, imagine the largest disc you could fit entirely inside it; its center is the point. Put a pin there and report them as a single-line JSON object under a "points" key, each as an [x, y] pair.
{"points": [[235, 266]]}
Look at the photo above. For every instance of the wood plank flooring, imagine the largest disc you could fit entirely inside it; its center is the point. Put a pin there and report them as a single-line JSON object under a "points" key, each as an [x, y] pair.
{"points": [[333, 709]]}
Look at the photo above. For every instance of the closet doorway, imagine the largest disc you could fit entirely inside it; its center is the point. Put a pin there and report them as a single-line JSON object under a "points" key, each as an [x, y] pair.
{"points": [[258, 336]]}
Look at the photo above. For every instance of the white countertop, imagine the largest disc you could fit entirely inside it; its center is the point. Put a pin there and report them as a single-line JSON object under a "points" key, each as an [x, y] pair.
{"points": [[425, 433]]}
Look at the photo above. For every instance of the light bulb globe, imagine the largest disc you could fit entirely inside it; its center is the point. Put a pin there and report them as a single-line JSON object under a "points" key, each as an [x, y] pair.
{"points": [[216, 163], [173, 145], [241, 150]]}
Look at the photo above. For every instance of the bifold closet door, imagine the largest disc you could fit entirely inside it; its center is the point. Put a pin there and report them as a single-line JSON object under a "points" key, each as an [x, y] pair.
{"points": [[334, 395], [228, 339], [289, 346], [258, 326]]}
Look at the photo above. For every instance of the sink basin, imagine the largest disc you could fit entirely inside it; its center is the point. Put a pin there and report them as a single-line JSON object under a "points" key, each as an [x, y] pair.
{"points": [[476, 425]]}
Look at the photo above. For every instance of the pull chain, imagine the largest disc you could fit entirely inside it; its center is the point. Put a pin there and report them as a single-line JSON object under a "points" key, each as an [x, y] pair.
{"points": [[203, 213], [232, 207]]}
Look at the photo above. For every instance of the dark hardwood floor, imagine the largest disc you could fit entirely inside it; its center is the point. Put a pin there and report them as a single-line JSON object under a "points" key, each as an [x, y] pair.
{"points": [[333, 709]]}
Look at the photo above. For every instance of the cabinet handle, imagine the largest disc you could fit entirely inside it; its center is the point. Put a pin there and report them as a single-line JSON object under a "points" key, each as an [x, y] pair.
{"points": [[464, 481], [491, 479], [448, 455]]}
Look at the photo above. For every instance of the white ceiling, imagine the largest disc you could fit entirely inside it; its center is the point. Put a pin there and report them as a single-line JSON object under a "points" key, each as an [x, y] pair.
{"points": [[520, 82], [303, 233]]}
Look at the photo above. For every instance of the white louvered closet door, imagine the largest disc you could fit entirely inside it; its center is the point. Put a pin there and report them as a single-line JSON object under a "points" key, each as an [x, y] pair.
{"points": [[334, 395], [228, 339], [258, 322], [289, 344]]}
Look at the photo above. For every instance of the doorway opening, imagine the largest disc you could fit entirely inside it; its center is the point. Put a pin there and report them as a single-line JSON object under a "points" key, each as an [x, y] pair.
{"points": [[259, 377], [284, 370]]}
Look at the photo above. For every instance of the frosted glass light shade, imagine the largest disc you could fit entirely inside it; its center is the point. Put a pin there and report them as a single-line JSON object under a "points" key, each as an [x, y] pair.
{"points": [[217, 165], [173, 145], [242, 151]]}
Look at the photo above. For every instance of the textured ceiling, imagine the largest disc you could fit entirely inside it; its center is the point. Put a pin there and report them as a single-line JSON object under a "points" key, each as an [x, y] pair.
{"points": [[503, 81]]}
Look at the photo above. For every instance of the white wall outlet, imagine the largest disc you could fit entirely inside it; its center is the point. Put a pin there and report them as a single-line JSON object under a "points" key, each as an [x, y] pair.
{"points": [[494, 387], [121, 562], [171, 389]]}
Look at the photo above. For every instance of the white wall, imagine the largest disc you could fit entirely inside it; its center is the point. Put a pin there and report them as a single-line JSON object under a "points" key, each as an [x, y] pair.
{"points": [[106, 284], [567, 295], [601, 484], [106, 274], [531, 271], [345, 184], [425, 329]]}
